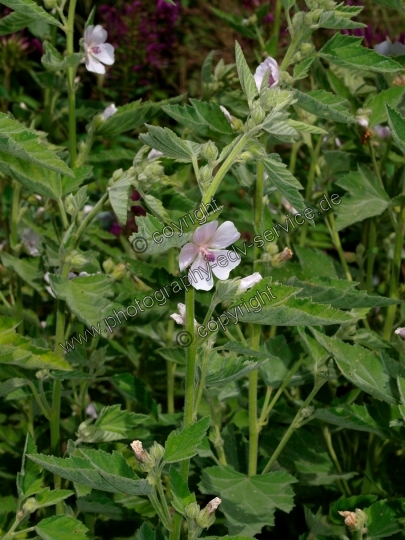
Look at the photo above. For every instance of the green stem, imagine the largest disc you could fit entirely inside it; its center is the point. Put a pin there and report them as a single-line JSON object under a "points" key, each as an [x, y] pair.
{"points": [[276, 28], [330, 223], [164, 502], [328, 438], [87, 220], [158, 509], [378, 174], [395, 274], [201, 383], [372, 242], [170, 366], [310, 184], [290, 52], [224, 169], [43, 406], [294, 424], [63, 214], [284, 385], [15, 211], [293, 156], [71, 72]]}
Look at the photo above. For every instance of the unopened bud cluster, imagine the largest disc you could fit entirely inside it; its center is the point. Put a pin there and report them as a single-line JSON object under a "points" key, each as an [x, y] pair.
{"points": [[278, 260], [148, 460], [355, 521], [203, 518]]}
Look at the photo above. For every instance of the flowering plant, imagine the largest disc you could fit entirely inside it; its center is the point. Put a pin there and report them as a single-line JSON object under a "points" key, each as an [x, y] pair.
{"points": [[286, 366]]}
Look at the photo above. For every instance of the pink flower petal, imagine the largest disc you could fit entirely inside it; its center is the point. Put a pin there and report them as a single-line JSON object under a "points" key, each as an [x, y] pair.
{"points": [[200, 276], [204, 233], [97, 36], [187, 255], [93, 65], [222, 272], [270, 64], [105, 54], [224, 236]]}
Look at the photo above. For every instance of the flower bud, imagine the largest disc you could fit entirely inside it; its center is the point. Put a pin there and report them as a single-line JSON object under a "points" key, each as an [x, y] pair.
{"points": [[119, 272], [206, 174], [297, 57], [400, 332], [306, 49], [258, 115], [50, 4], [192, 510], [248, 282], [298, 21], [30, 505], [246, 156], [206, 517], [279, 260], [109, 266], [78, 260], [69, 205], [354, 520], [286, 78], [272, 248], [42, 374], [145, 460], [210, 151], [117, 175], [157, 451]]}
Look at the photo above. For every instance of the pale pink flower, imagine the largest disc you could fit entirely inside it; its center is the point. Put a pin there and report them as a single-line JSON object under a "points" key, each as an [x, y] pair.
{"points": [[207, 254], [96, 50], [382, 131], [274, 77], [180, 317], [109, 111], [248, 282], [400, 332]]}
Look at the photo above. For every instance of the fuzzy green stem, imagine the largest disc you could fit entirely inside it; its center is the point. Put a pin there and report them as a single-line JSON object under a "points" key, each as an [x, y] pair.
{"points": [[162, 497], [344, 486], [201, 383], [87, 220], [224, 169], [276, 28], [284, 385], [71, 71], [159, 510], [310, 184], [372, 240], [395, 273], [330, 223], [294, 424]]}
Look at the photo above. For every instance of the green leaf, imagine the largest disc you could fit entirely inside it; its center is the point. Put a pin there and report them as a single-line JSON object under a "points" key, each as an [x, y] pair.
{"points": [[27, 269], [87, 297], [150, 240], [288, 4], [14, 22], [301, 70], [40, 181], [115, 154], [397, 125], [225, 369], [211, 115], [314, 263], [22, 143], [366, 369], [339, 293], [239, 348], [285, 182], [31, 9], [307, 128], [69, 185], [381, 519], [112, 424], [166, 141], [366, 198], [127, 117], [393, 4], [187, 116], [118, 196], [52, 60], [7, 387], [377, 104], [246, 78], [61, 528], [357, 417], [248, 503], [29, 480], [155, 205], [182, 444], [145, 533], [19, 351], [338, 19], [180, 492], [133, 388], [277, 305], [346, 51], [325, 105], [97, 470], [48, 498]]}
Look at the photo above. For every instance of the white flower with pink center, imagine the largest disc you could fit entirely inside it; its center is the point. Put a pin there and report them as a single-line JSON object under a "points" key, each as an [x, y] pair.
{"points": [[274, 75], [96, 50], [207, 254]]}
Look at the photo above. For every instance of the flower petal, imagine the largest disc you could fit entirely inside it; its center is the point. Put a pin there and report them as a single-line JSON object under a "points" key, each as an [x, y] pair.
{"points": [[98, 35], [224, 236], [249, 281], [222, 272], [204, 233], [93, 65], [87, 34], [187, 255], [105, 54], [268, 63], [200, 275], [178, 318]]}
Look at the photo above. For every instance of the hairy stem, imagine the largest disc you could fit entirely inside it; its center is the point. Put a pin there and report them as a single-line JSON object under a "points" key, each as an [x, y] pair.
{"points": [[71, 72]]}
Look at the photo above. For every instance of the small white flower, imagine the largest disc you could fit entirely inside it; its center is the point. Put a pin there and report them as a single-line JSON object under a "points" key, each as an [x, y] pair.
{"points": [[362, 117], [31, 240], [400, 332], [227, 114], [109, 111], [248, 282], [153, 154], [87, 208], [382, 131], [138, 450], [180, 317], [96, 50], [91, 410], [274, 77], [338, 142], [362, 121], [387, 48], [208, 245], [288, 206]]}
